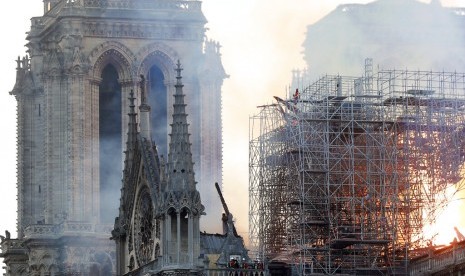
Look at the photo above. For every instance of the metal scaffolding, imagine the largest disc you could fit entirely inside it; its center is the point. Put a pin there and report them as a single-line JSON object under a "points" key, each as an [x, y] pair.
{"points": [[345, 175]]}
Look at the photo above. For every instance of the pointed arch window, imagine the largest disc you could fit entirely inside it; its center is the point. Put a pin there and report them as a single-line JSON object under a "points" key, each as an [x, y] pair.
{"points": [[110, 135]]}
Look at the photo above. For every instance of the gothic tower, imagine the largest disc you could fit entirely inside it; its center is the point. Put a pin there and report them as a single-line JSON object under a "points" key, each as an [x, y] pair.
{"points": [[85, 56]]}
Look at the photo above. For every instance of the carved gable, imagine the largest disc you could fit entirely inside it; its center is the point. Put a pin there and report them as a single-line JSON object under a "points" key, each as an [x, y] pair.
{"points": [[136, 228]]}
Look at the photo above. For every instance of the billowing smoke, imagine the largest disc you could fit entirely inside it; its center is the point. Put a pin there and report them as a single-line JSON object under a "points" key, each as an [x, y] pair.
{"points": [[110, 178], [397, 34], [158, 101]]}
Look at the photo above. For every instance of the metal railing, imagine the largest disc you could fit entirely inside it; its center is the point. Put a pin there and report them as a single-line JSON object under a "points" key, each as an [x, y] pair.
{"points": [[234, 272]]}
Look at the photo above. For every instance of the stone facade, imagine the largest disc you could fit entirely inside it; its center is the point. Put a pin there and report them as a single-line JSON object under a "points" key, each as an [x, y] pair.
{"points": [[78, 50]]}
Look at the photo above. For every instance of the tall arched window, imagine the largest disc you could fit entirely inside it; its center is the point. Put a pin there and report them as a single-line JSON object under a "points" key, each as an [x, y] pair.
{"points": [[110, 143], [158, 101]]}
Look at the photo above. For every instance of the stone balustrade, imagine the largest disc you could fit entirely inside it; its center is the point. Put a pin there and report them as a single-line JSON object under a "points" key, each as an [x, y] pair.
{"points": [[42, 231], [172, 259], [130, 4], [66, 228], [188, 5], [11, 244], [439, 260]]}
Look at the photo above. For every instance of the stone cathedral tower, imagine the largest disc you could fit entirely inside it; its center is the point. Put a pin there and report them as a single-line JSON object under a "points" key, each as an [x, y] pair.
{"points": [[85, 56]]}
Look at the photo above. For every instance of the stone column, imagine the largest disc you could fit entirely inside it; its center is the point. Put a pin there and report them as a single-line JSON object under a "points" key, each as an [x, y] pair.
{"points": [[196, 232], [93, 153], [178, 237], [190, 240], [167, 239]]}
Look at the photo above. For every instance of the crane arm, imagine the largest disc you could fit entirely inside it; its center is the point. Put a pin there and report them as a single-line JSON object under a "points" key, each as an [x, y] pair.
{"points": [[225, 207]]}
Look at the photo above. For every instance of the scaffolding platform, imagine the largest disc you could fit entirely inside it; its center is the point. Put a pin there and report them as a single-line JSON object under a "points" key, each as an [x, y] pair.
{"points": [[345, 242]]}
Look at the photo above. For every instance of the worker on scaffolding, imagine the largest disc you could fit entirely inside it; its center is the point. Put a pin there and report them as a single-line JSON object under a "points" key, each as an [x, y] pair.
{"points": [[296, 96]]}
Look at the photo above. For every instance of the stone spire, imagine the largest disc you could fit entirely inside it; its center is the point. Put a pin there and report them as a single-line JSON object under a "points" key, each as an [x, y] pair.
{"points": [[131, 147], [180, 164], [132, 124], [144, 109], [179, 206]]}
